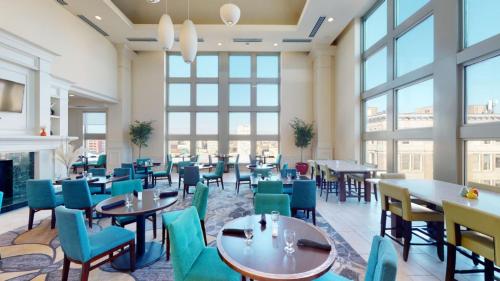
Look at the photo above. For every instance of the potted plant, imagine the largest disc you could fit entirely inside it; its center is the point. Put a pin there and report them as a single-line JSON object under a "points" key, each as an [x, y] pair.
{"points": [[140, 132], [304, 133]]}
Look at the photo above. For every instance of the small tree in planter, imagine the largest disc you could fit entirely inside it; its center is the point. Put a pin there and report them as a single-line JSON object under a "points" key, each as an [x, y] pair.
{"points": [[304, 133], [140, 133]]}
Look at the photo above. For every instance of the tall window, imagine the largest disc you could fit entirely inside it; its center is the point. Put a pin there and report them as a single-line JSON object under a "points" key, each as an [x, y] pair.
{"points": [[94, 133]]}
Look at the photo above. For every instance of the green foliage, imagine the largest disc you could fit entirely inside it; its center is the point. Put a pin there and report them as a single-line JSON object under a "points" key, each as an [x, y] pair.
{"points": [[140, 133], [303, 132]]}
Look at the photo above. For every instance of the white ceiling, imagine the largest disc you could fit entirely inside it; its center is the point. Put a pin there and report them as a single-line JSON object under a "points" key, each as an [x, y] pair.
{"points": [[120, 27]]}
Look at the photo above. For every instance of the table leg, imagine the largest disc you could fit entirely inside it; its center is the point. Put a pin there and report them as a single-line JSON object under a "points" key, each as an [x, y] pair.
{"points": [[396, 226], [342, 188], [103, 188], [368, 188]]}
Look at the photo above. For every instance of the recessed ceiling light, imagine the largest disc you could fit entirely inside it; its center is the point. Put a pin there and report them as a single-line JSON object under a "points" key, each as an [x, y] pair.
{"points": [[153, 1], [275, 44], [71, 95], [219, 44], [330, 19], [98, 18]]}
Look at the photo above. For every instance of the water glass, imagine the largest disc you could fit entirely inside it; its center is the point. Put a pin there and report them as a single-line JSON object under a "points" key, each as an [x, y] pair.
{"points": [[89, 175], [275, 216], [128, 199], [248, 233], [156, 193], [289, 240]]}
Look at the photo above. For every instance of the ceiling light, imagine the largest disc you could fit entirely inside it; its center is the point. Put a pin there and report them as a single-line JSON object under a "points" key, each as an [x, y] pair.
{"points": [[98, 18], [275, 44], [219, 44], [166, 32], [188, 40], [330, 19], [71, 95], [230, 14], [153, 1]]}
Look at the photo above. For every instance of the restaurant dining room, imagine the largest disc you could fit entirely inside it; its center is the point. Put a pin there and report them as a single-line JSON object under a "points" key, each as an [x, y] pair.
{"points": [[241, 140]]}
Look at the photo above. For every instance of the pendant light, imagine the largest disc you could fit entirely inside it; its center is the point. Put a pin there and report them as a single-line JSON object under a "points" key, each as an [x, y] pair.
{"points": [[230, 14], [166, 31], [188, 40]]}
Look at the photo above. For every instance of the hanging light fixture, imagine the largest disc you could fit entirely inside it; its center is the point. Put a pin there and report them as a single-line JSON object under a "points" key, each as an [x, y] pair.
{"points": [[188, 40], [166, 31], [230, 14]]}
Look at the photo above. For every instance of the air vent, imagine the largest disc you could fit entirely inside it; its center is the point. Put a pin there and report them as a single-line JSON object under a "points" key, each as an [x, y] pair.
{"points": [[134, 39], [247, 40], [200, 40], [292, 40], [317, 26], [93, 25], [62, 2]]}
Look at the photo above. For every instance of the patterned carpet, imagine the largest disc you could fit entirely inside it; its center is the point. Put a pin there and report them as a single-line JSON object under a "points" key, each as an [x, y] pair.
{"points": [[37, 255]]}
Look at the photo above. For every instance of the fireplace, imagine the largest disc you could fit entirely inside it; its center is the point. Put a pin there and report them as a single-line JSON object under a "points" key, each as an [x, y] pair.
{"points": [[15, 170]]}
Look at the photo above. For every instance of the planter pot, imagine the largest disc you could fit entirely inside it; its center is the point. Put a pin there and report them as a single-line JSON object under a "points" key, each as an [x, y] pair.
{"points": [[301, 168]]}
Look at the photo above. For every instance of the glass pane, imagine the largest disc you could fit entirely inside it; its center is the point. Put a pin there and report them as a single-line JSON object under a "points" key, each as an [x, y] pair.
{"points": [[239, 94], [416, 47], [376, 114], [207, 123], [240, 66], [207, 66], [267, 123], [415, 105], [268, 148], [267, 67], [483, 161], [207, 94], [481, 91], [406, 8], [177, 67], [95, 122], [94, 148], [376, 69], [267, 95], [239, 123], [179, 94], [376, 154], [375, 25], [415, 159], [179, 148], [481, 20], [205, 148], [243, 148], [179, 123]]}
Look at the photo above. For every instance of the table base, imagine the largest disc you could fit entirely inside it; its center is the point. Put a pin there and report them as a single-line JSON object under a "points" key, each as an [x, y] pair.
{"points": [[153, 251]]}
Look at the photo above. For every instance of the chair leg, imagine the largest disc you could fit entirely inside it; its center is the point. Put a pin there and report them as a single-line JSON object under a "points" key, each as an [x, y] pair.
{"points": [[88, 212], [179, 187], [131, 249], [65, 271], [314, 215], [217, 182], [383, 221], [202, 222], [439, 229], [163, 230], [407, 234], [489, 270], [53, 219], [375, 192], [222, 183], [169, 180], [85, 271], [31, 218], [475, 259], [450, 262], [167, 250], [184, 192]]}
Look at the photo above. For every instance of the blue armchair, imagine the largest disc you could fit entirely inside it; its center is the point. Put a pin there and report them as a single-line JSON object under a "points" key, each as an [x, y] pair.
{"points": [[41, 196], [266, 203], [217, 175], [191, 178], [304, 198], [84, 248]]}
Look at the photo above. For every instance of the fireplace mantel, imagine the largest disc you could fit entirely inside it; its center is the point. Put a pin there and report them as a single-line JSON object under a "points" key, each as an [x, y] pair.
{"points": [[31, 143]]}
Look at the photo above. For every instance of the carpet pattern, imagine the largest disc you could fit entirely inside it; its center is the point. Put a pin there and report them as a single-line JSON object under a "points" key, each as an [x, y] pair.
{"points": [[37, 255]]}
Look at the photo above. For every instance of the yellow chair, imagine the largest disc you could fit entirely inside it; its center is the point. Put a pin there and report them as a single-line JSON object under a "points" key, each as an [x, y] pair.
{"points": [[360, 178], [483, 186], [329, 181], [480, 234], [387, 176], [311, 164], [397, 201]]}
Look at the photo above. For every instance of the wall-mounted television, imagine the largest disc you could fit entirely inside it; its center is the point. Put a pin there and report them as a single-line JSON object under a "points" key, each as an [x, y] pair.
{"points": [[11, 96]]}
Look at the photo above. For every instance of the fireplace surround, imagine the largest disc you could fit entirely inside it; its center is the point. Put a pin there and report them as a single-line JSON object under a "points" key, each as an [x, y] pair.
{"points": [[15, 169]]}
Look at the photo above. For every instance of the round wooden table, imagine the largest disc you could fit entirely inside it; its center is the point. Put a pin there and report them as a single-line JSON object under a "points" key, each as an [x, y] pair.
{"points": [[146, 253], [265, 259]]}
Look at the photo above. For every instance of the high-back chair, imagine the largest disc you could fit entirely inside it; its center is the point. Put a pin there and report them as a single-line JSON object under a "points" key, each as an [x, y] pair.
{"points": [[96, 188], [311, 164], [191, 178], [291, 171], [141, 163], [304, 198], [97, 172], [266, 203], [180, 169], [233, 162], [329, 182], [167, 173], [133, 174], [386, 176], [253, 160], [261, 172], [270, 187], [84, 248], [120, 172], [217, 175], [241, 178], [41, 196], [277, 162], [100, 163], [195, 158], [359, 178]]}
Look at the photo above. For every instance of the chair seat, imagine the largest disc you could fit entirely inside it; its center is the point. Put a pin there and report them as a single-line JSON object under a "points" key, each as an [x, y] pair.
{"points": [[92, 163], [98, 198], [78, 164], [210, 176], [479, 243], [357, 177], [418, 212], [169, 217], [329, 276], [244, 177], [209, 267], [108, 238], [160, 173], [123, 220]]}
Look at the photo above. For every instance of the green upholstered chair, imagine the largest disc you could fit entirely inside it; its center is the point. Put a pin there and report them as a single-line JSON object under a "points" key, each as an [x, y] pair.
{"points": [[261, 172], [304, 198], [141, 162], [382, 263], [292, 171], [99, 163], [129, 186], [191, 178], [84, 248], [270, 187], [120, 172], [277, 162], [98, 172], [217, 175], [474, 230], [167, 173], [266, 203], [41, 196], [285, 166], [77, 195], [397, 201], [241, 178], [180, 169], [192, 260], [133, 174], [76, 165], [1, 200], [200, 202]]}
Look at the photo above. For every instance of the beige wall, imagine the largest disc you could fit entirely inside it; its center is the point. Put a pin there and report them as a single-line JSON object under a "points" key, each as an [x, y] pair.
{"points": [[86, 57]]}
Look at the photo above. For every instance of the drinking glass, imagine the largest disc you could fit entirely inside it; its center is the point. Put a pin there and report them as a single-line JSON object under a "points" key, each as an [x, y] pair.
{"points": [[275, 216], [289, 240], [89, 175], [156, 193], [248, 233], [128, 199]]}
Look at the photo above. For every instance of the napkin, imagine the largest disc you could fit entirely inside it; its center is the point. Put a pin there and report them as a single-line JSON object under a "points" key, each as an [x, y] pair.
{"points": [[168, 194], [234, 232], [313, 244], [93, 180], [113, 205]]}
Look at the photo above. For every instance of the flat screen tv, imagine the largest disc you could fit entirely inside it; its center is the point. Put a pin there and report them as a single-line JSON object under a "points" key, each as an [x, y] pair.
{"points": [[11, 96]]}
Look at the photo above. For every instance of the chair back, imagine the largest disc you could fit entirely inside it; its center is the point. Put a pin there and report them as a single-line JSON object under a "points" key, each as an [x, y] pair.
{"points": [[119, 172], [76, 194], [200, 200], [182, 164], [263, 172], [253, 160], [141, 162], [41, 194], [1, 200], [191, 175], [237, 170], [185, 249], [383, 261], [304, 194], [124, 187], [131, 167], [195, 158], [311, 164], [389, 191], [270, 187], [219, 168], [169, 157], [292, 172], [395, 176], [457, 215], [168, 167], [98, 172], [101, 160], [73, 234], [285, 166], [483, 186], [237, 159], [266, 203], [277, 161]]}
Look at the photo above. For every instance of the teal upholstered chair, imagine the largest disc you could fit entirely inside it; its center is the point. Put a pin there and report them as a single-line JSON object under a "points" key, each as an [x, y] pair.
{"points": [[261, 172], [270, 187], [191, 178], [192, 260], [382, 263], [194, 158], [180, 169], [76, 195], [277, 162], [241, 178], [84, 248], [304, 198], [120, 172], [98, 172], [284, 173], [1, 200], [100, 163], [217, 175], [141, 162], [200, 202], [122, 187], [76, 165], [233, 162], [41, 196], [266, 203], [133, 174], [167, 173]]}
